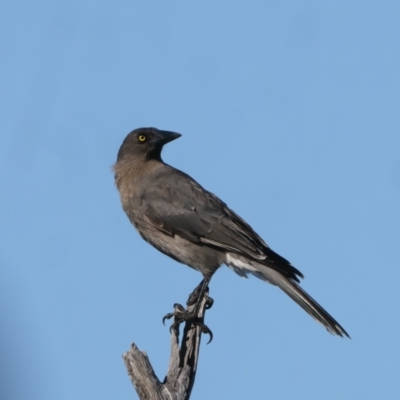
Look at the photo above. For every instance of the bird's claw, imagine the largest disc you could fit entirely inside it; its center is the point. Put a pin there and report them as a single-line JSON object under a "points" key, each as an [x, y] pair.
{"points": [[167, 316], [204, 329], [178, 309], [181, 315], [209, 302]]}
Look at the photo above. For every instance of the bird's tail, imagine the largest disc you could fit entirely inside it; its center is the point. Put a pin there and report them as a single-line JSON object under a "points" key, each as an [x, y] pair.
{"points": [[301, 297]]}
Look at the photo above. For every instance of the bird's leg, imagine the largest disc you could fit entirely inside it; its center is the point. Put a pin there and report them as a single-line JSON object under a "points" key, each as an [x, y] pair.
{"points": [[181, 315], [196, 296]]}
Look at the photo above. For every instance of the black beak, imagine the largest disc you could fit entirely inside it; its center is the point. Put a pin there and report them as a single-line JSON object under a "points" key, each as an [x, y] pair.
{"points": [[166, 136]]}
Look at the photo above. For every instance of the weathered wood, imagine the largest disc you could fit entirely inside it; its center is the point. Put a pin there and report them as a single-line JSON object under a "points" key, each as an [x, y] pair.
{"points": [[182, 368]]}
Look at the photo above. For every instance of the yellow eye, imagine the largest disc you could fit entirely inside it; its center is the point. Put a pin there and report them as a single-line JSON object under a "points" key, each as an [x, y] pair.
{"points": [[142, 138]]}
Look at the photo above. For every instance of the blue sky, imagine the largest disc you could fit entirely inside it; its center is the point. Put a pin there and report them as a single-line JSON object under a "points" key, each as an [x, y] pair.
{"points": [[289, 111]]}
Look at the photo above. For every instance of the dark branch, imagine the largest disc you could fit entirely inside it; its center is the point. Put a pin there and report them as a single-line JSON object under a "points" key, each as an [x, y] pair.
{"points": [[182, 368]]}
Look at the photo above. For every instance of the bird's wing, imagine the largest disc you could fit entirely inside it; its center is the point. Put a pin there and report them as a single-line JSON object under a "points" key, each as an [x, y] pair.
{"points": [[177, 205], [172, 206]]}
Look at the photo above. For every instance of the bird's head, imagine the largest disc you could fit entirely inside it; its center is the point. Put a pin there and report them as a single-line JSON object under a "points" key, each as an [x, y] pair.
{"points": [[145, 144]]}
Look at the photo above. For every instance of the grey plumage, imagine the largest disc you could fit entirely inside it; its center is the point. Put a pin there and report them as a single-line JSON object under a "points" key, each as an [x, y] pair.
{"points": [[180, 218]]}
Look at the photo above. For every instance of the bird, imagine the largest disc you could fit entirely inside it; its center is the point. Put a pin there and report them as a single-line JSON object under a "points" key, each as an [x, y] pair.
{"points": [[181, 219]]}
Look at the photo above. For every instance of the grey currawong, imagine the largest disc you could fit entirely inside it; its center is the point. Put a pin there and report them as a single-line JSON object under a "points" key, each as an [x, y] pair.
{"points": [[180, 218]]}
